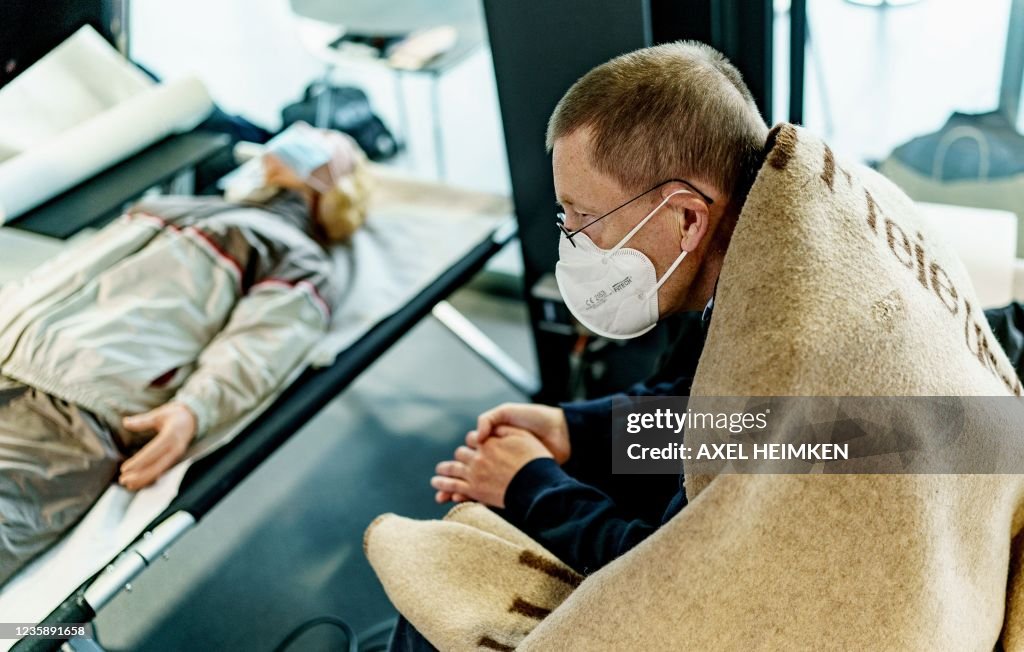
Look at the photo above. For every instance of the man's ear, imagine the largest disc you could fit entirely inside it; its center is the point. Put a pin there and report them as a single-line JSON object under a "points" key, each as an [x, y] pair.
{"points": [[694, 211], [695, 226]]}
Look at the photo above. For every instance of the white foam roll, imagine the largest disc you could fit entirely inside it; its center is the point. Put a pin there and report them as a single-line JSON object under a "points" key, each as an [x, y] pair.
{"points": [[41, 173]]}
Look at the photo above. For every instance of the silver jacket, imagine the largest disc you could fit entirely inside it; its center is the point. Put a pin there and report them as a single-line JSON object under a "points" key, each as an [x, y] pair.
{"points": [[189, 299]]}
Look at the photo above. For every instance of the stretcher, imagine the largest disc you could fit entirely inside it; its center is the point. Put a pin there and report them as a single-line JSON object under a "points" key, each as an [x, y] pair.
{"points": [[421, 243]]}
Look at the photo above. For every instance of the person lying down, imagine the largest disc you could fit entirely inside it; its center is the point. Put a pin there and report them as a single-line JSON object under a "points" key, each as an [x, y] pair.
{"points": [[179, 317]]}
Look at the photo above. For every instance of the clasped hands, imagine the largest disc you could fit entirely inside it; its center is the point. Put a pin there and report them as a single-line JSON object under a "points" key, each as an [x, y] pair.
{"points": [[506, 439]]}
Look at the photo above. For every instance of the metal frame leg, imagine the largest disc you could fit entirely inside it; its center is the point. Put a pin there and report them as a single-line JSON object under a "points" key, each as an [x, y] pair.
{"points": [[117, 576], [82, 645], [485, 348], [153, 545]]}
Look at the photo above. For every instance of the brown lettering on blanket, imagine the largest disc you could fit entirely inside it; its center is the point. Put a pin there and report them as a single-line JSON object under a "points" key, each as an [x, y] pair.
{"points": [[528, 609], [550, 568], [944, 289], [979, 346], [941, 286], [491, 644], [919, 253], [872, 210], [783, 147], [913, 256], [828, 174], [891, 228]]}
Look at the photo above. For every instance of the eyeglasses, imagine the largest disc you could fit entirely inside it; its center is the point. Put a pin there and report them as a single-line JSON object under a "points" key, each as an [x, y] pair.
{"points": [[560, 217]]}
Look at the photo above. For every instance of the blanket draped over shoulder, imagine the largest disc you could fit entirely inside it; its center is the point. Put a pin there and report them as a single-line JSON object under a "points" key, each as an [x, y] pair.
{"points": [[832, 286]]}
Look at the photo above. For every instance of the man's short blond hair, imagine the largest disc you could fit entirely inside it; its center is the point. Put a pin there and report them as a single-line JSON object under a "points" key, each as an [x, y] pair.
{"points": [[668, 111]]}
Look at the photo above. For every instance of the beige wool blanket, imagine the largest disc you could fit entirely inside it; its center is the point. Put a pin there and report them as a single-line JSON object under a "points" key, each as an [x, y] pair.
{"points": [[832, 286]]}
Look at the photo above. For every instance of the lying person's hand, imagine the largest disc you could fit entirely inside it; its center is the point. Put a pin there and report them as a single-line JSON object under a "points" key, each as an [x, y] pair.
{"points": [[175, 427], [544, 422], [484, 473]]}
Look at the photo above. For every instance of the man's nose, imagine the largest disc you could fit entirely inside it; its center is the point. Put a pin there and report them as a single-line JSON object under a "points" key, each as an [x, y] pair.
{"points": [[573, 222]]}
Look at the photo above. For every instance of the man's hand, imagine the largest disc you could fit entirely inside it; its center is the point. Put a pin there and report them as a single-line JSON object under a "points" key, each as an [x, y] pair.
{"points": [[176, 428], [545, 423], [483, 474]]}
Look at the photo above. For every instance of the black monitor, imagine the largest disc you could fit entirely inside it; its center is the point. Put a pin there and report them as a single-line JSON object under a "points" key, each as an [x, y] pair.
{"points": [[31, 28]]}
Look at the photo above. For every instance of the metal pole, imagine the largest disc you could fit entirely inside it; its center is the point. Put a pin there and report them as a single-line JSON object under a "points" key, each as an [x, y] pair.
{"points": [[797, 47], [1013, 64], [435, 111]]}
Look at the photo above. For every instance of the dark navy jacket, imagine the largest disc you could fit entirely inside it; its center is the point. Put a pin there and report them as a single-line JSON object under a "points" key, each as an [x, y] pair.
{"points": [[583, 513]]}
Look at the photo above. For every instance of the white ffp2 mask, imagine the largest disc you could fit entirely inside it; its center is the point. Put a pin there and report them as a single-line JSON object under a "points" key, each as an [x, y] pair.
{"points": [[300, 148], [612, 292]]}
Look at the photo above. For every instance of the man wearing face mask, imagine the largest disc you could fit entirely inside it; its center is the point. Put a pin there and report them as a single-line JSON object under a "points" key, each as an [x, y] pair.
{"points": [[175, 320], [653, 155]]}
